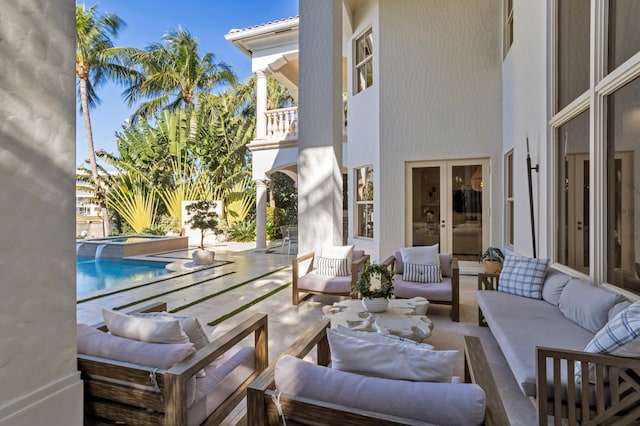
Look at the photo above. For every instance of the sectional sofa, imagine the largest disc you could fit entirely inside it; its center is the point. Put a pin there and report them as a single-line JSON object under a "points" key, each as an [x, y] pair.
{"points": [[552, 334]]}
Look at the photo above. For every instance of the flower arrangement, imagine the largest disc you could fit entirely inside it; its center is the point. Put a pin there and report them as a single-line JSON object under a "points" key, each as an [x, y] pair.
{"points": [[375, 281]]}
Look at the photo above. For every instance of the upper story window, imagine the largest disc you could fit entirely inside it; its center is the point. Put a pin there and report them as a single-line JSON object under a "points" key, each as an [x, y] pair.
{"points": [[363, 68], [507, 37], [364, 201]]}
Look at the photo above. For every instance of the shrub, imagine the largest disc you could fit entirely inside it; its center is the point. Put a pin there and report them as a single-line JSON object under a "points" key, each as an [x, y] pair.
{"points": [[243, 231]]}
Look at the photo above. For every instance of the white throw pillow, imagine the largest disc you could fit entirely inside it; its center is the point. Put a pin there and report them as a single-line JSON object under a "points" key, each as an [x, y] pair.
{"points": [[523, 276], [391, 361], [144, 329], [332, 267], [422, 273], [620, 336], [191, 326], [427, 255], [337, 252]]}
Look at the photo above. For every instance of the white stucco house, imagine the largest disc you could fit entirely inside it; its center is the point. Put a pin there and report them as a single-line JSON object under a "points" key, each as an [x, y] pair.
{"points": [[445, 102], [442, 98]]}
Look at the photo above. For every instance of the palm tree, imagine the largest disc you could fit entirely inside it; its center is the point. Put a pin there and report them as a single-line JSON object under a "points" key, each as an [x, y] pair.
{"points": [[174, 74], [96, 62]]}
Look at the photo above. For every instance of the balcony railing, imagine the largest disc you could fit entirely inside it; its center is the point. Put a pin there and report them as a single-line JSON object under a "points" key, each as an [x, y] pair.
{"points": [[282, 124]]}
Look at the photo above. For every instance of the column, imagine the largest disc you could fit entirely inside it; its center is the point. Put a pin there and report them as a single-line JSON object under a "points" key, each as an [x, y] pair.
{"points": [[261, 214], [261, 105], [320, 117]]}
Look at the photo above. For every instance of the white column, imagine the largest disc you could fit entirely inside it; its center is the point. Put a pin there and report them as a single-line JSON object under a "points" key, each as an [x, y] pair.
{"points": [[261, 105], [320, 116], [261, 214], [39, 381]]}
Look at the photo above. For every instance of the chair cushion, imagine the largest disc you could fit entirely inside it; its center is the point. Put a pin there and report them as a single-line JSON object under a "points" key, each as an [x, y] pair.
{"points": [[434, 292], [150, 330], [97, 343], [337, 252], [223, 377], [523, 276], [323, 284], [422, 273], [329, 267], [427, 255], [436, 403], [587, 305], [390, 360], [444, 258]]}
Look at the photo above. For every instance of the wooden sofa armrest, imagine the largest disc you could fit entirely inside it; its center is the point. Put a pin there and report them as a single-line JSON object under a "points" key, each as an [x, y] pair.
{"points": [[478, 371], [612, 396], [296, 273], [261, 393], [455, 290], [389, 262], [356, 266]]}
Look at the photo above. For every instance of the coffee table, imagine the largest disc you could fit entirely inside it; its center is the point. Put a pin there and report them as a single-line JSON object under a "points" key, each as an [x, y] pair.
{"points": [[403, 317]]}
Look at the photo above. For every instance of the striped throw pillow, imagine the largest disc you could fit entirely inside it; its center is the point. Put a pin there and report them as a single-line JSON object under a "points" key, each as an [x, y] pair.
{"points": [[422, 273], [523, 276], [332, 267]]}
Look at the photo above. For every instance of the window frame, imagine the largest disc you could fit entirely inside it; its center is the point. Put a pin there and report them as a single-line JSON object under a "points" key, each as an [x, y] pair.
{"points": [[507, 29], [367, 60], [509, 204], [368, 204], [603, 83]]}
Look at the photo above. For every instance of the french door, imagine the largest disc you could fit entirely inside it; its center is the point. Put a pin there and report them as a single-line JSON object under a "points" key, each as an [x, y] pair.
{"points": [[447, 203]]}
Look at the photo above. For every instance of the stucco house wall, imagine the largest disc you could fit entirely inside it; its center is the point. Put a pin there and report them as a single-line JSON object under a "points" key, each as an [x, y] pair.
{"points": [[440, 98], [39, 383]]}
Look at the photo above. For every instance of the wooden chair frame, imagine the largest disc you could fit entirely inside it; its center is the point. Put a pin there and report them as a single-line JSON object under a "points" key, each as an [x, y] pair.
{"points": [[112, 388], [616, 387], [455, 286], [297, 264], [261, 394]]}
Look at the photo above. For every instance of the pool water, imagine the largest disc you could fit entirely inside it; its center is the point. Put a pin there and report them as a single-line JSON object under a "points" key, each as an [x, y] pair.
{"points": [[97, 274]]}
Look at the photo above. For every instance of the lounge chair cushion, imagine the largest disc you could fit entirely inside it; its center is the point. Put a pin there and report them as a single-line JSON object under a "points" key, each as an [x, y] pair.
{"points": [[150, 330], [94, 342], [437, 403], [523, 276], [434, 292], [444, 259], [587, 305], [320, 283], [390, 360], [223, 377]]}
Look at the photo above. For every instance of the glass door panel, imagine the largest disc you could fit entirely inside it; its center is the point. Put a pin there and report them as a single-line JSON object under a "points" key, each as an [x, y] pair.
{"points": [[426, 209], [466, 209]]}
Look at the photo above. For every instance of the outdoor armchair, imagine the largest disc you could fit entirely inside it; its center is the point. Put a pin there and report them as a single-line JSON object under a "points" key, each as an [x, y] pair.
{"points": [[322, 274], [158, 384]]}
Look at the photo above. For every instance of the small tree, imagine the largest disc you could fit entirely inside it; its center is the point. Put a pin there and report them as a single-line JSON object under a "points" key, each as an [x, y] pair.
{"points": [[203, 217]]}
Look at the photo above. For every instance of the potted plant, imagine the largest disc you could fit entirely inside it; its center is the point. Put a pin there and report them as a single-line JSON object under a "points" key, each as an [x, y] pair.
{"points": [[204, 218], [492, 258], [374, 286]]}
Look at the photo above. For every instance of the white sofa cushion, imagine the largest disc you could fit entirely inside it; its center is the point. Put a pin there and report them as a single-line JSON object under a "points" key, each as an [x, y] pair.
{"points": [[554, 283], [391, 361], [150, 330], [436, 403], [587, 305], [523, 276]]}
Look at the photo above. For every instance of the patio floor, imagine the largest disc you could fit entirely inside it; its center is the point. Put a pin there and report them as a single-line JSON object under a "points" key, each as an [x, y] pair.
{"points": [[254, 281]]}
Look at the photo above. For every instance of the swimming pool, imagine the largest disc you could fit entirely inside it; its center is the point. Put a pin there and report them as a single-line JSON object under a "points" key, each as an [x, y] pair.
{"points": [[97, 274]]}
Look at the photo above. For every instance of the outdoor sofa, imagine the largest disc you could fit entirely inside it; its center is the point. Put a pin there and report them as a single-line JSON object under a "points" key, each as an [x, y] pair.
{"points": [[544, 334], [313, 393]]}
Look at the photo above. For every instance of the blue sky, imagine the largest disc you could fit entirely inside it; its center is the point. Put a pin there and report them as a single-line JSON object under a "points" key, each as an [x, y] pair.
{"points": [[148, 20]]}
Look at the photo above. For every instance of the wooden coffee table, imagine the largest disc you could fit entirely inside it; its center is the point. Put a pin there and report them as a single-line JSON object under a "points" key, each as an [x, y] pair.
{"points": [[404, 317]]}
